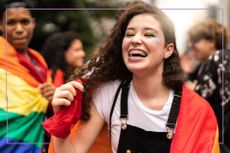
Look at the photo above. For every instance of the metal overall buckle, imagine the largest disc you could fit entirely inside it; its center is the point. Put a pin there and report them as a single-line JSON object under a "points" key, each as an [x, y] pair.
{"points": [[123, 123], [170, 133]]}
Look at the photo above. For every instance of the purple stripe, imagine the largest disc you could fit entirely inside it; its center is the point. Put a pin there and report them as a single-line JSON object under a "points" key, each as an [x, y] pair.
{"points": [[10, 147]]}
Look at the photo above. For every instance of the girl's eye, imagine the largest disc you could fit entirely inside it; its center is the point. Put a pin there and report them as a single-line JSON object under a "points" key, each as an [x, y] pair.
{"points": [[150, 35], [129, 34]]}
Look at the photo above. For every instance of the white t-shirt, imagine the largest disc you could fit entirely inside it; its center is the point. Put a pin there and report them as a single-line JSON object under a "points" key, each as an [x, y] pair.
{"points": [[138, 114]]}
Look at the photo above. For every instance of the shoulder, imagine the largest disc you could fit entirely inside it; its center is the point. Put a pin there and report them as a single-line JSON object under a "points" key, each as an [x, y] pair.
{"points": [[106, 91], [193, 102], [196, 122], [220, 57], [38, 56], [108, 87], [103, 97], [34, 52], [195, 112]]}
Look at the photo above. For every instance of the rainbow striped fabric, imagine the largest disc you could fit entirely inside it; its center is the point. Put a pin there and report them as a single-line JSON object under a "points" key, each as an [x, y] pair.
{"points": [[22, 107]]}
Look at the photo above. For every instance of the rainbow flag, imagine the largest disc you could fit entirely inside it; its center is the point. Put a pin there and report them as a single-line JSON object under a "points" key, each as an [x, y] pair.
{"points": [[22, 107], [197, 128]]}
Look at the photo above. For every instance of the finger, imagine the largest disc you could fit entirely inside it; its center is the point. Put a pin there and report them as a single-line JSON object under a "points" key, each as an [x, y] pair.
{"points": [[58, 103], [47, 88], [44, 85], [68, 87], [77, 85], [61, 102], [64, 94], [48, 93], [44, 92]]}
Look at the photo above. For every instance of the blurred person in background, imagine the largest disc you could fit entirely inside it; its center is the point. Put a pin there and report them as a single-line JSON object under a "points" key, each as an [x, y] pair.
{"points": [[208, 42], [188, 64], [64, 52], [26, 87]]}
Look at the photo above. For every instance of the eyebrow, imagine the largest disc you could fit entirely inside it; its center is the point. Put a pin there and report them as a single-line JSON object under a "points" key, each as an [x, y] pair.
{"points": [[146, 28], [12, 18]]}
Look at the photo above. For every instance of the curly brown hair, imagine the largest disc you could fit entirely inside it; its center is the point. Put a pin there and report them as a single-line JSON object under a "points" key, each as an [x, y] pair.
{"points": [[108, 64]]}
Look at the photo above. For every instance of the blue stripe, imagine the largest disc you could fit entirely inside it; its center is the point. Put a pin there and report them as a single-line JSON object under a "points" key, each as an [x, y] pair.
{"points": [[16, 147]]}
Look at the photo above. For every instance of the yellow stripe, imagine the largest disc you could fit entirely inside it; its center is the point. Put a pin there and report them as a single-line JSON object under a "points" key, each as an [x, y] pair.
{"points": [[22, 98], [216, 146]]}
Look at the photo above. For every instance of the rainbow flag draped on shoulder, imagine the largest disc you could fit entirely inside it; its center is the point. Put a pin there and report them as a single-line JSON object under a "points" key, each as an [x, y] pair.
{"points": [[22, 107]]}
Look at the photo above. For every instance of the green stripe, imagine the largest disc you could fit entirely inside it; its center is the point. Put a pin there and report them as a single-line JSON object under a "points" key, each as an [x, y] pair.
{"points": [[23, 128]]}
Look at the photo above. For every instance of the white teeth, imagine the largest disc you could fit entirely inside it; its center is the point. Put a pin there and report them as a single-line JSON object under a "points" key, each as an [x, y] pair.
{"points": [[138, 53]]}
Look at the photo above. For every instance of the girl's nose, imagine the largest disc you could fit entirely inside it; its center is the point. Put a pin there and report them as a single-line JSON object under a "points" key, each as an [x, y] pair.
{"points": [[136, 39]]}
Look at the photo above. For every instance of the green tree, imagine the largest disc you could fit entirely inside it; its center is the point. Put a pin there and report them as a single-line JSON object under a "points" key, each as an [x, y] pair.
{"points": [[53, 16]]}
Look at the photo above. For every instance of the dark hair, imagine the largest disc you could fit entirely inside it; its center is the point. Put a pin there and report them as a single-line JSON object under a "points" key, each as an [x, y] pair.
{"points": [[108, 64], [54, 50], [121, 10], [209, 30], [5, 4]]}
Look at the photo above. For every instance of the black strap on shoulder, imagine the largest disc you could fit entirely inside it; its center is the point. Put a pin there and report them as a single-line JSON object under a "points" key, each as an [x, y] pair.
{"points": [[124, 85], [124, 100], [171, 123], [113, 105]]}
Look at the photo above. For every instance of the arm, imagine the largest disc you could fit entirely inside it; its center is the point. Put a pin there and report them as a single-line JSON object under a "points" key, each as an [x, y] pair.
{"points": [[88, 130], [83, 138]]}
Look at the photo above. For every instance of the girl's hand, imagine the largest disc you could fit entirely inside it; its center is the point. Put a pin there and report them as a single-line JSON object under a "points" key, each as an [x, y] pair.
{"points": [[65, 94], [47, 91]]}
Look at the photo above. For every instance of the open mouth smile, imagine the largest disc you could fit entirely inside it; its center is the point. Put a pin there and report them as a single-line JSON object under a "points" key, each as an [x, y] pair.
{"points": [[137, 53]]}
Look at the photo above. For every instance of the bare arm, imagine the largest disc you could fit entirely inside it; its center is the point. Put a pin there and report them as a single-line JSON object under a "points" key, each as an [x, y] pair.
{"points": [[88, 130], [83, 138]]}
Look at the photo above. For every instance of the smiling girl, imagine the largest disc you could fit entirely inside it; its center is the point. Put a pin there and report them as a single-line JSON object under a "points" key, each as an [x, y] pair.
{"points": [[136, 86]]}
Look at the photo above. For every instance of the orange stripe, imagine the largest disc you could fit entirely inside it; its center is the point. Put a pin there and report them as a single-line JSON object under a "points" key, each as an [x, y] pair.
{"points": [[101, 145], [216, 146], [10, 61]]}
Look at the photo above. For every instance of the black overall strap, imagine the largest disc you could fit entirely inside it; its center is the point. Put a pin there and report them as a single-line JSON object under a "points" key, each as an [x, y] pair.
{"points": [[171, 123], [113, 105], [124, 100]]}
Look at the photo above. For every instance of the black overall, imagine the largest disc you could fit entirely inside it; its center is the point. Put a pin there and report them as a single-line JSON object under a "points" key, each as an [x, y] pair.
{"points": [[136, 140]]}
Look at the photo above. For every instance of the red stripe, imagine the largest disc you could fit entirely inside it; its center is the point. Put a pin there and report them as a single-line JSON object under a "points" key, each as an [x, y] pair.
{"points": [[40, 77]]}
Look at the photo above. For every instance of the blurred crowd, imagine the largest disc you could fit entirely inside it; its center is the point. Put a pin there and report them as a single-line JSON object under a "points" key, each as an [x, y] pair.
{"points": [[29, 78]]}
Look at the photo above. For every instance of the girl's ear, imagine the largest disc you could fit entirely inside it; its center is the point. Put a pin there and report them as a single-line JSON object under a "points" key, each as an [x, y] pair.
{"points": [[168, 50]]}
